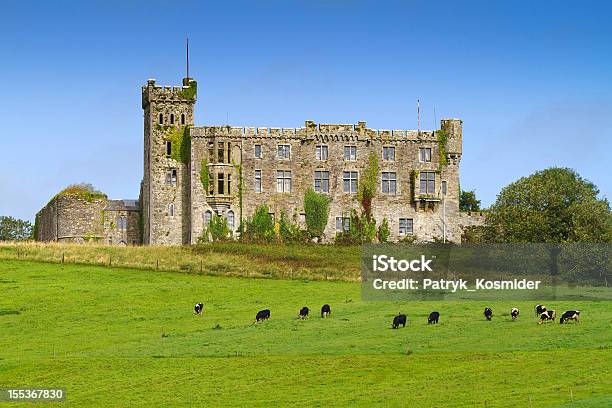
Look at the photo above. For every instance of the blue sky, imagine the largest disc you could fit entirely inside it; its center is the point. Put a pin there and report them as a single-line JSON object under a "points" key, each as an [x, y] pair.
{"points": [[530, 79]]}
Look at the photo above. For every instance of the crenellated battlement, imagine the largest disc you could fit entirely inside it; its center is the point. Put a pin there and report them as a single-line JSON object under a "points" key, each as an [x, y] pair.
{"points": [[315, 131], [152, 92]]}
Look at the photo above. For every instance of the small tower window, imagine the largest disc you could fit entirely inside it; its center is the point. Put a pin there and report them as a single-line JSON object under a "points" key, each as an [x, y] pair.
{"points": [[168, 148], [182, 118], [161, 118], [172, 118], [171, 210], [220, 183]]}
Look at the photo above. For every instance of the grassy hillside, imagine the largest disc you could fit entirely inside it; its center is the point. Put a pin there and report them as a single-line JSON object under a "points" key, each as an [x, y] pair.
{"points": [[126, 337]]}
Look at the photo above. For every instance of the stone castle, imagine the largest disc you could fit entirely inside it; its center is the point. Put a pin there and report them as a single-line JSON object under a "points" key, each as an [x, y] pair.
{"points": [[191, 173]]}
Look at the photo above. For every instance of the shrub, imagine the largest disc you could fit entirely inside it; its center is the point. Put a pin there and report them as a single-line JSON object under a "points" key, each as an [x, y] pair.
{"points": [[361, 230], [384, 231], [316, 207], [289, 231], [260, 227], [217, 230]]}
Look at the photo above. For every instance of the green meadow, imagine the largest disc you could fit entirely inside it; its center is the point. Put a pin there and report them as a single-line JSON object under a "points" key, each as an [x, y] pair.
{"points": [[115, 336]]}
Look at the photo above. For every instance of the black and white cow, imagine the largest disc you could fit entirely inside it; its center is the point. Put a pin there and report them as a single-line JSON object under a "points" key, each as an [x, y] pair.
{"points": [[433, 317], [514, 313], [539, 309], [304, 313], [548, 315], [488, 313], [197, 309], [262, 315], [325, 310], [399, 319], [570, 315]]}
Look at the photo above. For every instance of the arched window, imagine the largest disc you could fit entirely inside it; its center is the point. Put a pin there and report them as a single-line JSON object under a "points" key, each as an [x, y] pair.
{"points": [[230, 219], [161, 118], [182, 118], [171, 210], [122, 222], [172, 118], [207, 217]]}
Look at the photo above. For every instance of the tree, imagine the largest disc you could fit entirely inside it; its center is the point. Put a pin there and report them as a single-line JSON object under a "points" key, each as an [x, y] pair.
{"points": [[316, 208], [468, 201], [13, 229], [260, 227], [555, 205]]}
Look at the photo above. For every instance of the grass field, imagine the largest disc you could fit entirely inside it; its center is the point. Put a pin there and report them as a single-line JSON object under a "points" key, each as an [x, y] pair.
{"points": [[128, 337]]}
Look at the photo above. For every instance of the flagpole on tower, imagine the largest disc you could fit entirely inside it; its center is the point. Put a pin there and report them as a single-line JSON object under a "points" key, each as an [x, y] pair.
{"points": [[187, 43], [418, 115]]}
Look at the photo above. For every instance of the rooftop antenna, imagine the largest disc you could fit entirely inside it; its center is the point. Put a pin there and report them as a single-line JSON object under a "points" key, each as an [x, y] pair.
{"points": [[187, 42], [418, 115]]}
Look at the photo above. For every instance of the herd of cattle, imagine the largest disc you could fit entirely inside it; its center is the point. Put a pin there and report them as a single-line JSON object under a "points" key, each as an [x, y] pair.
{"points": [[540, 311]]}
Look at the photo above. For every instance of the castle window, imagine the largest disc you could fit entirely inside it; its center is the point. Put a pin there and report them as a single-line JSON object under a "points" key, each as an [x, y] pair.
{"points": [[389, 182], [171, 177], [168, 148], [321, 181], [221, 153], [284, 151], [171, 210], [229, 152], [207, 216], [211, 151], [406, 226], [230, 219], [283, 181], [350, 153], [425, 154], [388, 153], [427, 182], [122, 223], [172, 118], [343, 224], [349, 181], [220, 183], [444, 187], [182, 118], [161, 118], [258, 181], [322, 152], [229, 184], [258, 151]]}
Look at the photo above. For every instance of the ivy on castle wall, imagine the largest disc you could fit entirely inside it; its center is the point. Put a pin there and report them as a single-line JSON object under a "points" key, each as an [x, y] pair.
{"points": [[181, 143], [190, 92], [238, 168], [205, 176], [442, 139], [367, 185]]}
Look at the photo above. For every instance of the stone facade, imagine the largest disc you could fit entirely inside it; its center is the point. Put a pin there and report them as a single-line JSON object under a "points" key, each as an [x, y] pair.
{"points": [[191, 173], [176, 208]]}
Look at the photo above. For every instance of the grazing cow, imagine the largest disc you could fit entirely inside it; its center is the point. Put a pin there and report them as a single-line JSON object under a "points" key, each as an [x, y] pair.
{"points": [[547, 315], [198, 308], [570, 315], [304, 313], [433, 317], [539, 309], [325, 310], [262, 315], [514, 313], [399, 319], [488, 313]]}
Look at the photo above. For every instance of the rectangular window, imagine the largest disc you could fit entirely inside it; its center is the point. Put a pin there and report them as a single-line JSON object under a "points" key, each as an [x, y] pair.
{"points": [[229, 184], [258, 151], [211, 151], [322, 152], [221, 154], [229, 152], [389, 182], [444, 188], [171, 177], [349, 181], [388, 153], [425, 154], [168, 148], [321, 181], [283, 181], [220, 183], [350, 153], [405, 226], [258, 181], [343, 224], [427, 182], [283, 151]]}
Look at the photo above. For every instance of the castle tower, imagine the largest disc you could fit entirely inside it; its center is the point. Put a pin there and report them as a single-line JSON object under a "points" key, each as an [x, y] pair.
{"points": [[165, 190], [452, 134]]}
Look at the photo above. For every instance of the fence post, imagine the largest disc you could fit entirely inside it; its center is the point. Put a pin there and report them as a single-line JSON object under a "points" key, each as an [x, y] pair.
{"points": [[200, 266], [110, 260], [157, 264], [63, 255]]}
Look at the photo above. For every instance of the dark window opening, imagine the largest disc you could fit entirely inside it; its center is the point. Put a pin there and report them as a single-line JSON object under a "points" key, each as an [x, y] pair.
{"points": [[220, 183], [172, 118], [182, 119], [168, 148], [221, 154], [229, 184], [161, 118]]}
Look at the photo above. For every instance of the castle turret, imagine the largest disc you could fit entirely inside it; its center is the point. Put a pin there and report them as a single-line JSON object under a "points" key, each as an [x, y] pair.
{"points": [[168, 115], [453, 131]]}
